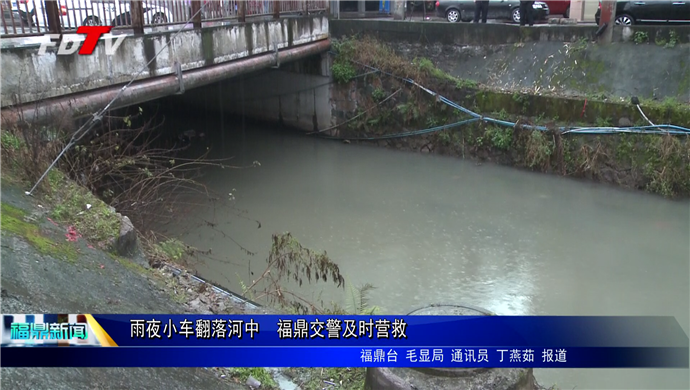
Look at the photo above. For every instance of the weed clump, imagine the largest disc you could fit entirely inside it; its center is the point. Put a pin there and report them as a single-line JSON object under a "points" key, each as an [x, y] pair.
{"points": [[343, 72], [313, 378], [241, 374], [170, 250], [96, 221], [666, 169], [500, 137]]}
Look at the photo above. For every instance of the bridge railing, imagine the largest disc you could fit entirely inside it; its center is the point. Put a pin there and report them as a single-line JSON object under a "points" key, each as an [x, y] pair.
{"points": [[37, 17]]}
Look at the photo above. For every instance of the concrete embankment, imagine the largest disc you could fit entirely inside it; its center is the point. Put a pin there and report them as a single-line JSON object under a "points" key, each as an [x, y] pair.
{"points": [[648, 62], [380, 108]]}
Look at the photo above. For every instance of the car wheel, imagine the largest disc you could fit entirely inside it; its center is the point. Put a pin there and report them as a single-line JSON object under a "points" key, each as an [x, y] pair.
{"points": [[516, 15], [453, 15], [625, 20], [567, 13], [91, 21], [159, 18]]}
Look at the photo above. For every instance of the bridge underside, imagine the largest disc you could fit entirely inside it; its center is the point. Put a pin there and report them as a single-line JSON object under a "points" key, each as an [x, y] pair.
{"points": [[42, 87]]}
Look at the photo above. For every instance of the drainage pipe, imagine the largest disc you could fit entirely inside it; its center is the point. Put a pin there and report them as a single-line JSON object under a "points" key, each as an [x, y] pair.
{"points": [[85, 103]]}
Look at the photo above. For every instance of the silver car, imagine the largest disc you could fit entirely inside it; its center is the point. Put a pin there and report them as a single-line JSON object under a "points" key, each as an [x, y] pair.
{"points": [[457, 10], [75, 13]]}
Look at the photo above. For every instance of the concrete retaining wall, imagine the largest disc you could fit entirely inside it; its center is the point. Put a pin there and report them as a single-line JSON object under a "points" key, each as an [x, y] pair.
{"points": [[28, 76], [490, 34], [557, 59]]}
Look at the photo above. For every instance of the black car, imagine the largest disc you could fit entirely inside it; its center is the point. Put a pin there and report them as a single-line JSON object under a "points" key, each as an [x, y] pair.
{"points": [[653, 11], [457, 10]]}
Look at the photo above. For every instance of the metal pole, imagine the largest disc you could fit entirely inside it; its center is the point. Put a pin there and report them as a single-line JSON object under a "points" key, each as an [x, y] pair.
{"points": [[196, 21], [137, 10], [608, 15], [242, 17], [53, 13]]}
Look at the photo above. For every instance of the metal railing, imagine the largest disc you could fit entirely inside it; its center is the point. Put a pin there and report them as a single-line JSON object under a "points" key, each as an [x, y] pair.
{"points": [[37, 17]]}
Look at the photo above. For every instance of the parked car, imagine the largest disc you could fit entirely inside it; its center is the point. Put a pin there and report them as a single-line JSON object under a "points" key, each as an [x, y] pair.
{"points": [[559, 7], [636, 12], [457, 10], [75, 13], [13, 18]]}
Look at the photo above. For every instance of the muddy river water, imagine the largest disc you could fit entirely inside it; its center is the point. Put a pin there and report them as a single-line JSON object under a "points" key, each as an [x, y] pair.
{"points": [[427, 229]]}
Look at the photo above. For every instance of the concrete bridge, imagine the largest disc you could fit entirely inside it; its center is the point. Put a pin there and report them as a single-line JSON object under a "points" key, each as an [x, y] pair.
{"points": [[40, 86]]}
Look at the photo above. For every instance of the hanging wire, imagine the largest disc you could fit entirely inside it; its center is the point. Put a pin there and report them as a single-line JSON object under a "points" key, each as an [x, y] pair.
{"points": [[98, 116]]}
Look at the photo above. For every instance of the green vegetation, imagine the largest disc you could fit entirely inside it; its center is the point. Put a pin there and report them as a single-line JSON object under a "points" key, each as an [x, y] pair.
{"points": [[603, 122], [14, 221], [129, 264], [580, 45], [290, 262], [640, 37], [241, 374], [671, 43], [538, 149], [343, 72], [449, 137], [500, 137], [672, 40], [522, 101], [367, 50], [378, 95], [666, 165], [74, 204], [10, 142], [172, 250], [429, 68], [313, 378]]}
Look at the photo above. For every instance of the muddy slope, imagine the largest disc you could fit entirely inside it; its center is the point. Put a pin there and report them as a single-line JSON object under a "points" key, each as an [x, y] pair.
{"points": [[79, 279]]}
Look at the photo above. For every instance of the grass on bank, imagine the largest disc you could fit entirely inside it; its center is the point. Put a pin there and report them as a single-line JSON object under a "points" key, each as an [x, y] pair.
{"points": [[356, 52], [319, 378], [15, 221], [241, 374]]}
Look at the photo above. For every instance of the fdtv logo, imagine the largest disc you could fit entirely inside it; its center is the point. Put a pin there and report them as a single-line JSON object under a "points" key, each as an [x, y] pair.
{"points": [[69, 45]]}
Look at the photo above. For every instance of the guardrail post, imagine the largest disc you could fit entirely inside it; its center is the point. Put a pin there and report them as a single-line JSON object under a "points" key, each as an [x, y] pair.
{"points": [[53, 14], [276, 9], [306, 7], [137, 9], [196, 20], [242, 14]]}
